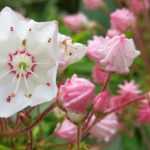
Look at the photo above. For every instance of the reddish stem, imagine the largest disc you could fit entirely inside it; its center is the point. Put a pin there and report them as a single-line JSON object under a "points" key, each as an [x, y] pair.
{"points": [[142, 97], [30, 141], [126, 104], [78, 137], [30, 127], [106, 82]]}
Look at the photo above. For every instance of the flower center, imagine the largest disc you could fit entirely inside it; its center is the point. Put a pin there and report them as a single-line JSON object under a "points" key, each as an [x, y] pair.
{"points": [[23, 66], [21, 63]]}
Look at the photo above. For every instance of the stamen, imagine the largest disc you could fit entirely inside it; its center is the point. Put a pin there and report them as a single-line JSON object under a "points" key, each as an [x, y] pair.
{"points": [[42, 63], [70, 53], [35, 75], [26, 84], [11, 28], [9, 98], [49, 40], [5, 74], [18, 81], [13, 79], [24, 42], [48, 84]]}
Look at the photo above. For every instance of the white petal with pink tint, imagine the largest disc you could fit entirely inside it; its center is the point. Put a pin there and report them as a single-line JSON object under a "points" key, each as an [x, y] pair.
{"points": [[67, 131], [106, 128], [28, 62], [70, 52], [119, 53]]}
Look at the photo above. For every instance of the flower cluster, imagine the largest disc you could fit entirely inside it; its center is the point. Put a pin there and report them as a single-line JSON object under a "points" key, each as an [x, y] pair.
{"points": [[34, 58]]}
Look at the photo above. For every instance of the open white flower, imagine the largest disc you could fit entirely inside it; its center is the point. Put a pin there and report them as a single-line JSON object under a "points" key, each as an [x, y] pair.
{"points": [[70, 52], [28, 62]]}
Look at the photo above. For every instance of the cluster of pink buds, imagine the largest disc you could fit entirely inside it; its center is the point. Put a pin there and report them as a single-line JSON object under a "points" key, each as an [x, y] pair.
{"points": [[96, 113]]}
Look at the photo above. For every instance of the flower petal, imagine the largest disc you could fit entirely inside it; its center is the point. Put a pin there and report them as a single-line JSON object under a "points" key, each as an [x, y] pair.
{"points": [[44, 93], [15, 105]]}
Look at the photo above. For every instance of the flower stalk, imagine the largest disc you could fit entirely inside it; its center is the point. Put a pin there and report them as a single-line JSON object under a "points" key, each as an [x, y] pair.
{"points": [[30, 127], [78, 137]]}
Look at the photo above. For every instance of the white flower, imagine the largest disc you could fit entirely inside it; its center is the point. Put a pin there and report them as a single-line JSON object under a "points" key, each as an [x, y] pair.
{"points": [[28, 62], [70, 52]]}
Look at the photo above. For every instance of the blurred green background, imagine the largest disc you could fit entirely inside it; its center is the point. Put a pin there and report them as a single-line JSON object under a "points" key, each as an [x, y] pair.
{"points": [[42, 10]]}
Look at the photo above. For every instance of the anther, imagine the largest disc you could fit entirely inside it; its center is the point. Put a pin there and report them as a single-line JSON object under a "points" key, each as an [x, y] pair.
{"points": [[49, 40], [48, 84], [9, 98], [11, 28], [70, 54], [24, 42]]}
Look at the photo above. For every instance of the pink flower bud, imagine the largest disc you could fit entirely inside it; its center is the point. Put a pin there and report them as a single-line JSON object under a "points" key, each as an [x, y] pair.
{"points": [[75, 22], [113, 32], [122, 19], [93, 4], [131, 89], [118, 54], [115, 54], [127, 93], [118, 102], [106, 128], [147, 4], [144, 114], [99, 75], [95, 47], [76, 94], [67, 131], [101, 102], [137, 6]]}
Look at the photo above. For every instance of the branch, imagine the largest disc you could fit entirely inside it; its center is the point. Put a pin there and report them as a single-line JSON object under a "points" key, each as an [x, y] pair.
{"points": [[111, 111], [106, 82], [78, 137], [30, 127]]}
